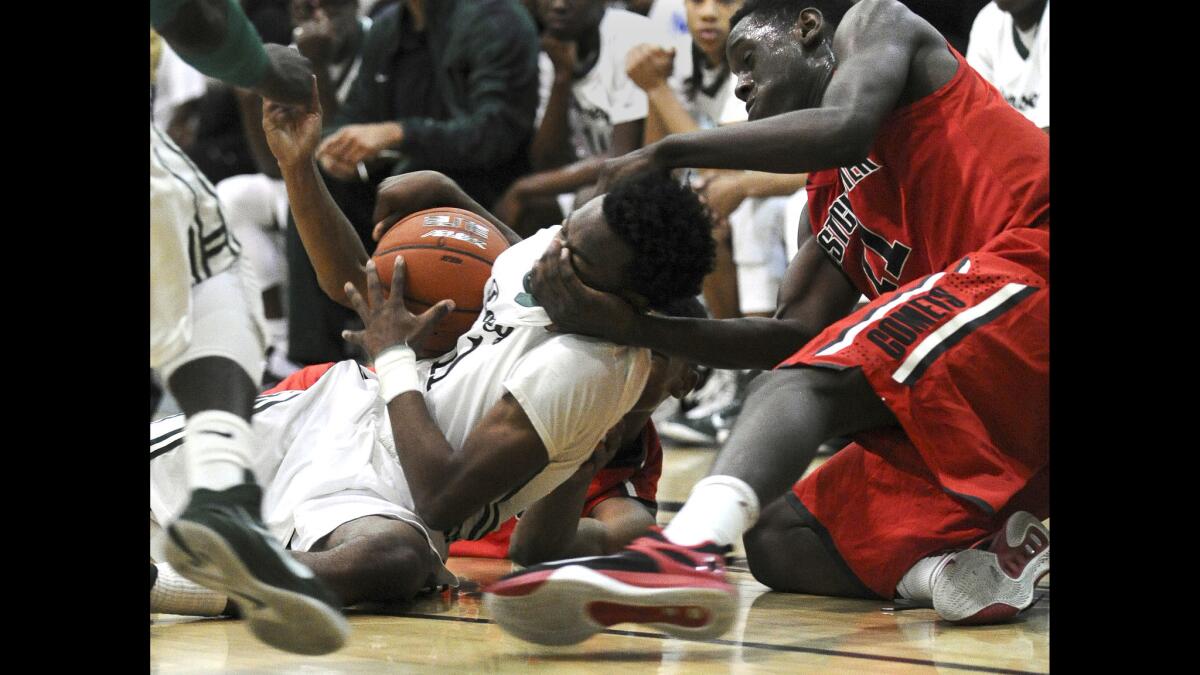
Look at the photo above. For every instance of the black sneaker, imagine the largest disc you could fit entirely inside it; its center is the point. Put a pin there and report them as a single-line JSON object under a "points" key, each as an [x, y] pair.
{"points": [[219, 542]]}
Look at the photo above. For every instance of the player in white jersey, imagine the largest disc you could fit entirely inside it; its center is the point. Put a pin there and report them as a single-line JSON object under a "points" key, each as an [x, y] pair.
{"points": [[512, 412], [1010, 47], [207, 339]]}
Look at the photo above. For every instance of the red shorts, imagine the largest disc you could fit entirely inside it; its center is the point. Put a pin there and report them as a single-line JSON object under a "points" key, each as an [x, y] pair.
{"points": [[962, 359]]}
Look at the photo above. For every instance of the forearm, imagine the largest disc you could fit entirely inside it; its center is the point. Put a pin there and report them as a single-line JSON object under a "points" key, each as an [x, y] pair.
{"points": [[551, 147], [760, 184], [674, 118], [403, 195], [721, 343], [566, 179], [428, 460], [333, 246], [795, 142], [214, 37], [552, 528]]}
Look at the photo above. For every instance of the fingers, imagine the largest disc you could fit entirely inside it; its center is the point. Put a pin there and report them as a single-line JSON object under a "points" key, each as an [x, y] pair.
{"points": [[314, 102], [356, 300], [374, 287], [354, 337], [398, 278]]}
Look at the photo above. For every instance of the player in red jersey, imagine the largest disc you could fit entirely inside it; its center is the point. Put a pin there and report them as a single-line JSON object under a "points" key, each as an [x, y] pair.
{"points": [[928, 194]]}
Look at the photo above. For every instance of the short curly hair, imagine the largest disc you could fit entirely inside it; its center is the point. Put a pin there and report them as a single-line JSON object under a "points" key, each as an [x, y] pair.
{"points": [[786, 12], [669, 231]]}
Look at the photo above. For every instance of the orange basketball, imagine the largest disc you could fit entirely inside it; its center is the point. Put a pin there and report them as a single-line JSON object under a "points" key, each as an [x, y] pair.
{"points": [[449, 254]]}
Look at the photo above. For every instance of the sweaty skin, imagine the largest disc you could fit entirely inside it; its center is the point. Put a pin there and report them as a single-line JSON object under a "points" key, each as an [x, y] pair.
{"points": [[803, 119]]}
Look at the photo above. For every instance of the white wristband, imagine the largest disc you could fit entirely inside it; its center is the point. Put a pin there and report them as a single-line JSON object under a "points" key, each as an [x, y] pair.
{"points": [[396, 368]]}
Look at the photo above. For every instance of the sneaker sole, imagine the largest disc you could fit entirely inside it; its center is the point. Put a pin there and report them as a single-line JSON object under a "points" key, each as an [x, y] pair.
{"points": [[284, 619], [574, 603], [974, 590]]}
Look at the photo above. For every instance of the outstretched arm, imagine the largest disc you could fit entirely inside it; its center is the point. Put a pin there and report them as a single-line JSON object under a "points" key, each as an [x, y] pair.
{"points": [[336, 252], [875, 45], [403, 195], [814, 294], [216, 38]]}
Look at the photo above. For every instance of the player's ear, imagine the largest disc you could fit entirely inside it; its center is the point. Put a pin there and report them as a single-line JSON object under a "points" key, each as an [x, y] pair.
{"points": [[808, 27]]}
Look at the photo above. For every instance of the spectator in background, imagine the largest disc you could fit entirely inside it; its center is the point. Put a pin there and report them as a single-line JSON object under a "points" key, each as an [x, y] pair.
{"points": [[590, 110], [448, 85], [1010, 47], [330, 34], [693, 90]]}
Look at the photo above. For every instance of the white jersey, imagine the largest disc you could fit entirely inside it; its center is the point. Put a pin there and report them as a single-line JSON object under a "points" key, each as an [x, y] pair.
{"points": [[605, 96], [189, 242], [326, 455], [1015, 63]]}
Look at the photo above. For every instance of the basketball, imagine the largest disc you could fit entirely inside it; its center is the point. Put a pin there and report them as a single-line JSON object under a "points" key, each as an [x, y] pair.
{"points": [[449, 254]]}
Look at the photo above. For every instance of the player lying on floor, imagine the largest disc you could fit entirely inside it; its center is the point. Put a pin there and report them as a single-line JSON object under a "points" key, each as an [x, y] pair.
{"points": [[442, 449], [355, 558]]}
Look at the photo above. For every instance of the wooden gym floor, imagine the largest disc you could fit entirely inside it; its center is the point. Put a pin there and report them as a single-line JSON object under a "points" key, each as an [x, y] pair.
{"points": [[774, 632]]}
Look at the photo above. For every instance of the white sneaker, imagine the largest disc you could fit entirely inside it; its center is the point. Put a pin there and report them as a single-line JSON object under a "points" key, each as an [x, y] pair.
{"points": [[994, 581]]}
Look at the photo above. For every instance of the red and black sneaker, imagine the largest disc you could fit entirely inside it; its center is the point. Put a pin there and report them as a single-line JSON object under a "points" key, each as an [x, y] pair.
{"points": [[680, 590], [995, 579]]}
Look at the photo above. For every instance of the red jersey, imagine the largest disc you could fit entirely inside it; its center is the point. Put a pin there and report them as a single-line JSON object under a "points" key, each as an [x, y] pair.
{"points": [[634, 473], [945, 175]]}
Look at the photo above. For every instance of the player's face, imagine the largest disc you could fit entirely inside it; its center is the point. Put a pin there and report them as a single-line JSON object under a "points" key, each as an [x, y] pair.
{"points": [[598, 255], [570, 19], [773, 73], [342, 15], [708, 22]]}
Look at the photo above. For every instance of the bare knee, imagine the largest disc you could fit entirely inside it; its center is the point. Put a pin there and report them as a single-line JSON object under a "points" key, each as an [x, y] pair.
{"points": [[380, 560], [787, 554]]}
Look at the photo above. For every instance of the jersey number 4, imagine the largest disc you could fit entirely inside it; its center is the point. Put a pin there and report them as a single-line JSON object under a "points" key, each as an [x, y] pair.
{"points": [[883, 272]]}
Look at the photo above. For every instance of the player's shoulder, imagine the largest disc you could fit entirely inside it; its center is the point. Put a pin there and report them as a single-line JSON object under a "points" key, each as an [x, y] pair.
{"points": [[592, 357]]}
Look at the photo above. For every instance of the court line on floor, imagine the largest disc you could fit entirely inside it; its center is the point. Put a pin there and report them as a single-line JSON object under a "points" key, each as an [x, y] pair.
{"points": [[761, 645]]}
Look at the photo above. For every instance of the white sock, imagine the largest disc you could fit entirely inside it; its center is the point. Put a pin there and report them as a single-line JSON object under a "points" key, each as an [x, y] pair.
{"points": [[172, 594], [917, 583], [217, 445], [719, 509], [277, 330]]}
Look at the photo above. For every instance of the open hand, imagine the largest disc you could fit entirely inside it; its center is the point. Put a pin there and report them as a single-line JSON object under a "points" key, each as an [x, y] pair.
{"points": [[574, 307], [386, 321], [293, 131], [355, 143]]}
